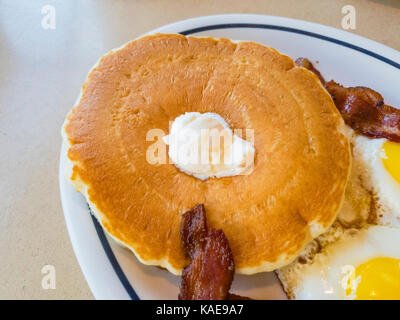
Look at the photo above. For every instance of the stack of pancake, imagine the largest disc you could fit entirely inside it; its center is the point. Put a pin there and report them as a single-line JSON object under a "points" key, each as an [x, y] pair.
{"points": [[302, 155]]}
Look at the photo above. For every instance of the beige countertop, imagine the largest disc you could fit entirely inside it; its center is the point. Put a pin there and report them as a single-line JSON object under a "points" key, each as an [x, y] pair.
{"points": [[41, 74]]}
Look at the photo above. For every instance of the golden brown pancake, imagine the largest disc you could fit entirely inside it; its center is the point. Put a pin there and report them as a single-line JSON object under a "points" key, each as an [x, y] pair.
{"points": [[302, 157]]}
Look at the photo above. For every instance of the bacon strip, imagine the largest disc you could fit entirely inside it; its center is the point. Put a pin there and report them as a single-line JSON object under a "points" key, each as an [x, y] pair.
{"points": [[362, 108], [210, 273], [305, 63], [232, 296], [194, 230]]}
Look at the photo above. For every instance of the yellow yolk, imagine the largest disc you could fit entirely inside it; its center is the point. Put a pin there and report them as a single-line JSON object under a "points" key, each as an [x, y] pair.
{"points": [[391, 160], [376, 279]]}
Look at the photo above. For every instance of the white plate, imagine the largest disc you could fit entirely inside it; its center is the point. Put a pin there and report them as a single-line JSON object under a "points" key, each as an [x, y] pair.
{"points": [[113, 272]]}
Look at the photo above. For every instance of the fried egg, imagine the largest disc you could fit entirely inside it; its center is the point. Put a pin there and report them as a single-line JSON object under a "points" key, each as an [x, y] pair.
{"points": [[380, 159], [358, 257], [363, 264]]}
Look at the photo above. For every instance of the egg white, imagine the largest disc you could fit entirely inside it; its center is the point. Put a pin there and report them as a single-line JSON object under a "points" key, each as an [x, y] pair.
{"points": [[378, 180], [327, 276]]}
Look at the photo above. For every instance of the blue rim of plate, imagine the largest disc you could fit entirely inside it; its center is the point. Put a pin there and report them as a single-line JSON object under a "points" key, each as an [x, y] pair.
{"points": [[100, 232]]}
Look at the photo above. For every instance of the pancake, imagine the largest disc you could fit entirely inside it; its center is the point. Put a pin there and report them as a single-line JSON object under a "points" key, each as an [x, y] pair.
{"points": [[302, 157]]}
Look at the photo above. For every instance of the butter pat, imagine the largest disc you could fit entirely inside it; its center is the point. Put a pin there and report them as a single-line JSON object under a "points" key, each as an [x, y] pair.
{"points": [[203, 145]]}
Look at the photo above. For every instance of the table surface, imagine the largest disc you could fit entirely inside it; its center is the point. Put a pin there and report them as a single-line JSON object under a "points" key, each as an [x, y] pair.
{"points": [[41, 75]]}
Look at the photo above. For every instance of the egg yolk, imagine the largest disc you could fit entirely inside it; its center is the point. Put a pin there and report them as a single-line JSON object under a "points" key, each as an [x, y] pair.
{"points": [[376, 279], [391, 160]]}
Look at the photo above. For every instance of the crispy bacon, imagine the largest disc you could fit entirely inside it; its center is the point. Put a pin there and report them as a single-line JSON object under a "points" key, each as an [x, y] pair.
{"points": [[305, 63], [210, 273], [232, 296], [194, 230], [362, 108]]}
